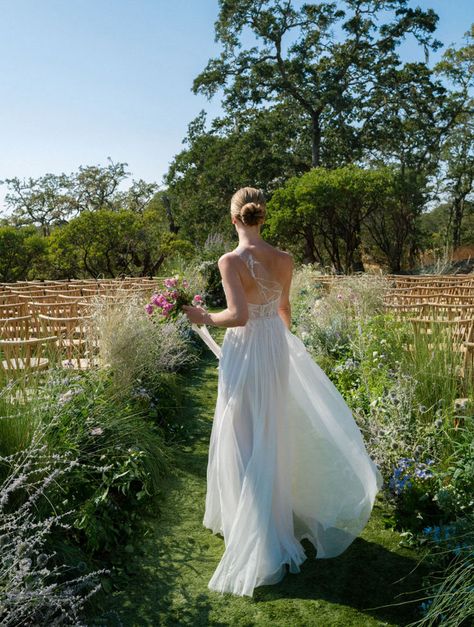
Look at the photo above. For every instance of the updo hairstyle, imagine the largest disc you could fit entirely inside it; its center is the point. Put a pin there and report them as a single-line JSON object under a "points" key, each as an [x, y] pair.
{"points": [[248, 205]]}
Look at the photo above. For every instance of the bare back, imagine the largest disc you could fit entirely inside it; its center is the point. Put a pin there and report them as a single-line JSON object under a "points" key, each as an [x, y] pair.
{"points": [[265, 272]]}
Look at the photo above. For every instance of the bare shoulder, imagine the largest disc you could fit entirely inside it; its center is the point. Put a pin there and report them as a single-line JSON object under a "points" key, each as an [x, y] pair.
{"points": [[227, 260], [286, 259]]}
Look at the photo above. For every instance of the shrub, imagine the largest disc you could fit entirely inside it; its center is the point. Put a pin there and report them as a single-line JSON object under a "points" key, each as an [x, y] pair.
{"points": [[36, 586]]}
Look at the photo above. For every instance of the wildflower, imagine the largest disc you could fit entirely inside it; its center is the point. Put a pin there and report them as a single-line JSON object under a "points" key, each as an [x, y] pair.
{"points": [[438, 423], [198, 298], [97, 431], [172, 282], [149, 308]]}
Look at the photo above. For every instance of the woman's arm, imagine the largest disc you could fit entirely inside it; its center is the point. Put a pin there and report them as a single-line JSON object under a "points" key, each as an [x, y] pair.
{"points": [[284, 308], [236, 314]]}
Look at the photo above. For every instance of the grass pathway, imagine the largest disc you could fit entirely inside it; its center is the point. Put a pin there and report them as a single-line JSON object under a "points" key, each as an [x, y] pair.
{"points": [[180, 555]]}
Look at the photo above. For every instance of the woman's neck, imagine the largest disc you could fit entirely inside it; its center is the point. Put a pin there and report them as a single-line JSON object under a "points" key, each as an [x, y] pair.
{"points": [[249, 239]]}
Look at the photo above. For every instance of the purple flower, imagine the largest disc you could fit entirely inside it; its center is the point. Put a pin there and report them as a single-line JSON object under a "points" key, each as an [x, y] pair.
{"points": [[149, 308]]}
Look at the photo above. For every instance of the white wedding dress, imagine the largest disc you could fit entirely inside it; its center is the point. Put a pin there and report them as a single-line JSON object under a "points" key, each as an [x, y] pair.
{"points": [[286, 461]]}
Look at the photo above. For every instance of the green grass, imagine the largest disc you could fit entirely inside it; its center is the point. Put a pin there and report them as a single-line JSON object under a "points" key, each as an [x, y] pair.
{"points": [[168, 584]]}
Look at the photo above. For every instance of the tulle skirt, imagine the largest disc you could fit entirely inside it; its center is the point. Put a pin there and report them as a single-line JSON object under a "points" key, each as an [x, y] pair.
{"points": [[286, 461]]}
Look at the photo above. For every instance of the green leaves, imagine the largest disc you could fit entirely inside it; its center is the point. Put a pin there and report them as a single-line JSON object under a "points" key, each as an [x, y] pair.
{"points": [[328, 208], [292, 54]]}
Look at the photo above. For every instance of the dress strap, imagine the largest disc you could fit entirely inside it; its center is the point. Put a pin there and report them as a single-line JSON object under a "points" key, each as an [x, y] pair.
{"points": [[268, 288]]}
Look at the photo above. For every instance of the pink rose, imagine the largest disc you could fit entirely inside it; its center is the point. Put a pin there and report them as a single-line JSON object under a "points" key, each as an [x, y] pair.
{"points": [[198, 298]]}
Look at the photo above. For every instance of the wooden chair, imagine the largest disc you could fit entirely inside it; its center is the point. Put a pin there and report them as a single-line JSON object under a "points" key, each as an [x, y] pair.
{"points": [[77, 349], [13, 310], [15, 328], [18, 357], [58, 309]]}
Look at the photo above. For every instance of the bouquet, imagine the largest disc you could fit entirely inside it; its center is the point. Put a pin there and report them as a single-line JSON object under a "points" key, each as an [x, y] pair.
{"points": [[165, 305]]}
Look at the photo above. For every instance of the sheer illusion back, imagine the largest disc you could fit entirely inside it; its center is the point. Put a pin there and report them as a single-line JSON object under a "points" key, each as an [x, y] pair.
{"points": [[268, 289]]}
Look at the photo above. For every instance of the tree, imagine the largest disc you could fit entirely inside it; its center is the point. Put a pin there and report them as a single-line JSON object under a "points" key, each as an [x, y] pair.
{"points": [[136, 198], [43, 202], [327, 209], [458, 147], [394, 227], [112, 243], [95, 187], [51, 200], [296, 57], [256, 147], [22, 249]]}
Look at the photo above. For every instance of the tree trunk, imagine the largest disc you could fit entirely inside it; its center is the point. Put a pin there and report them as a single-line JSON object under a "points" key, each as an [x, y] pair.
{"points": [[309, 245], [167, 205], [458, 211], [315, 140]]}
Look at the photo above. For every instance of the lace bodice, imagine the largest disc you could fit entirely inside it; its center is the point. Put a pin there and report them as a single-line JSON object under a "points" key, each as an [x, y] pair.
{"points": [[269, 289]]}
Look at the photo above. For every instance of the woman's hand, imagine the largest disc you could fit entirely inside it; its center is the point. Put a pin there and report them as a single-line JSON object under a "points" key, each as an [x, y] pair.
{"points": [[196, 315]]}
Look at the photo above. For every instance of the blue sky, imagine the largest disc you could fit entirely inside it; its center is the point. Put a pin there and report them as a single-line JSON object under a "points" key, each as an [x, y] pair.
{"points": [[81, 80]]}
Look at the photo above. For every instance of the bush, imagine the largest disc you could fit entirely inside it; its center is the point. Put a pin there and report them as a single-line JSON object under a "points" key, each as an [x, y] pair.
{"points": [[36, 586]]}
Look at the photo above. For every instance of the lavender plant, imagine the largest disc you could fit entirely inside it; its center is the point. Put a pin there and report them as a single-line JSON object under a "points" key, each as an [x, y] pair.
{"points": [[35, 587]]}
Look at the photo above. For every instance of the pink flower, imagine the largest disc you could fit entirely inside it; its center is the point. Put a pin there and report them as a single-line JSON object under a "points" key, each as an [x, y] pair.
{"points": [[198, 298], [185, 283], [339, 297], [171, 282], [158, 299], [149, 308]]}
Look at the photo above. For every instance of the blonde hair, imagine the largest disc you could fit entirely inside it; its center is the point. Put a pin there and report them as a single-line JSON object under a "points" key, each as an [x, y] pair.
{"points": [[248, 205]]}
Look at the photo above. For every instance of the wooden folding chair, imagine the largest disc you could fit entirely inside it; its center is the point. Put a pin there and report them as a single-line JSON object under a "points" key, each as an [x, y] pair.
{"points": [[16, 327], [76, 347], [22, 356]]}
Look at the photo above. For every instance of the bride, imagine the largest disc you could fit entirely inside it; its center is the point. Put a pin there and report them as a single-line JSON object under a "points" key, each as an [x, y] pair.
{"points": [[287, 460]]}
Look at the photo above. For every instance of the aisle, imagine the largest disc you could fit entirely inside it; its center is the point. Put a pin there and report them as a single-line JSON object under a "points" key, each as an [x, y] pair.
{"points": [[171, 586]]}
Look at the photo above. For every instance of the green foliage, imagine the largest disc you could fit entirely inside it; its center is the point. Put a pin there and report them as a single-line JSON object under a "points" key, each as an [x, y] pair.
{"points": [[111, 243], [258, 147], [336, 84], [22, 252], [331, 216], [206, 265]]}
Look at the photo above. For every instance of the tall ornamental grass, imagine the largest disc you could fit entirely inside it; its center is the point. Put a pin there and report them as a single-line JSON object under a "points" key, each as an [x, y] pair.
{"points": [[134, 346]]}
